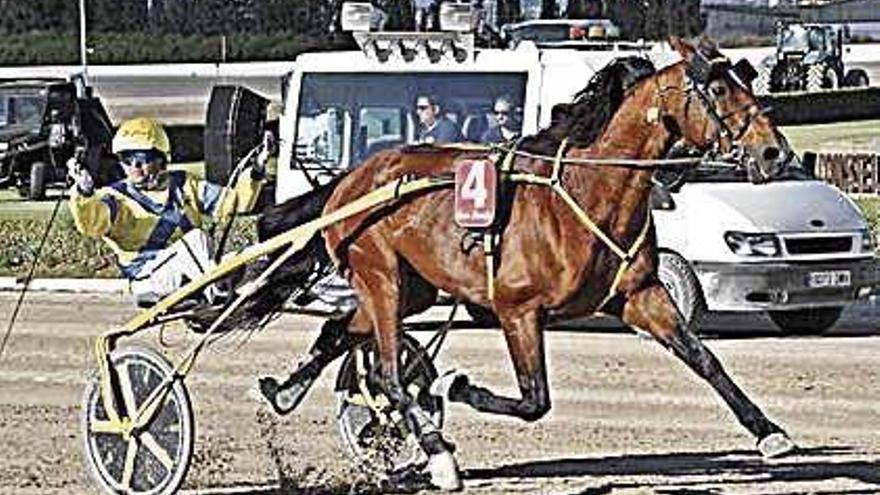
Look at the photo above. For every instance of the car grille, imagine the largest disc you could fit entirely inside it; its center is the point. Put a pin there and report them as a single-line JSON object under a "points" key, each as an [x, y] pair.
{"points": [[818, 245]]}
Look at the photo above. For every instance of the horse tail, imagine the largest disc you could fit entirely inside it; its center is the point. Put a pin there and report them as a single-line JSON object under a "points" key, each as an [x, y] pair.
{"points": [[299, 271]]}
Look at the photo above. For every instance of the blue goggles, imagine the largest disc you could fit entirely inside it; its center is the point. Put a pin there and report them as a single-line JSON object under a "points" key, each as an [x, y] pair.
{"points": [[139, 158]]}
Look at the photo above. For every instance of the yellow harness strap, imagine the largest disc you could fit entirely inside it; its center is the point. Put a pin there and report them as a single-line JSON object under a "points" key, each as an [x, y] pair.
{"points": [[554, 182]]}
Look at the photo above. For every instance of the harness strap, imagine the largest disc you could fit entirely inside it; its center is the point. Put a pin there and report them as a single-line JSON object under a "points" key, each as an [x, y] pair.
{"points": [[490, 237], [627, 261], [557, 162], [489, 255]]}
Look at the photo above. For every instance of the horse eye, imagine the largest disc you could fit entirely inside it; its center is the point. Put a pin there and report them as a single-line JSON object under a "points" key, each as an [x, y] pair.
{"points": [[718, 90]]}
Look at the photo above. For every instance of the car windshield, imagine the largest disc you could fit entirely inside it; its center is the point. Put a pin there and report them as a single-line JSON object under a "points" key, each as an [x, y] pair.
{"points": [[21, 109], [344, 118]]}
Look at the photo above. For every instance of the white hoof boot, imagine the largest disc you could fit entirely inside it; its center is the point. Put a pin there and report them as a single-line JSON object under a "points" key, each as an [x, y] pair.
{"points": [[444, 472], [775, 445], [441, 385]]}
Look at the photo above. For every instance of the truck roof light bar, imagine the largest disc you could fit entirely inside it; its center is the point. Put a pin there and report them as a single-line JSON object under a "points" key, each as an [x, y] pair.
{"points": [[457, 17], [408, 47], [356, 16]]}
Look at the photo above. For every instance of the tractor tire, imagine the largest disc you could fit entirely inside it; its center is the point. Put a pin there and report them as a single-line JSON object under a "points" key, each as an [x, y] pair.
{"points": [[815, 78], [762, 83], [813, 321], [856, 78], [830, 81], [37, 184], [680, 281]]}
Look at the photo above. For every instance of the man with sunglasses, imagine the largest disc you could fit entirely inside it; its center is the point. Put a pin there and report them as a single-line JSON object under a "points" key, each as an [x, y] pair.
{"points": [[505, 127], [153, 218], [434, 128]]}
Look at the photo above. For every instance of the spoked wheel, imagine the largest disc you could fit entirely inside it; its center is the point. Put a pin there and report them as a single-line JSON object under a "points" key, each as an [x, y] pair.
{"points": [[153, 459], [375, 434]]}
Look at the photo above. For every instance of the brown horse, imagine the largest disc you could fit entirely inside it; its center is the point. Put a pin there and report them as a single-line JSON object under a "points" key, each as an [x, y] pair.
{"points": [[548, 263]]}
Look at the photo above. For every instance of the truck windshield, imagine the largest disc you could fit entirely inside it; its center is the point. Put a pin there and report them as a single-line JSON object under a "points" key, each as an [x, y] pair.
{"points": [[21, 109], [344, 118], [794, 39]]}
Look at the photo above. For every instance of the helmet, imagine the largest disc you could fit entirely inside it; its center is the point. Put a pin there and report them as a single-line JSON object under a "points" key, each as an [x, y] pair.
{"points": [[142, 134]]}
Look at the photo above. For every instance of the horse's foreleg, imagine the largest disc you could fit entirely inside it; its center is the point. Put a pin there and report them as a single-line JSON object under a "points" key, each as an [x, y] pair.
{"points": [[651, 309], [336, 338], [526, 346]]}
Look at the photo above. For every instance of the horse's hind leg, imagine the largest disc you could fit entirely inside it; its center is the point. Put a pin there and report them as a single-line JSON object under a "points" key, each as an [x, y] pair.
{"points": [[651, 309], [526, 347], [377, 277], [336, 338]]}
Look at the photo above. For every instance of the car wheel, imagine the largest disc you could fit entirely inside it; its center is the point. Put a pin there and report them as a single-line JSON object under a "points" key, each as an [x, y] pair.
{"points": [[811, 321], [37, 185], [482, 316], [680, 281]]}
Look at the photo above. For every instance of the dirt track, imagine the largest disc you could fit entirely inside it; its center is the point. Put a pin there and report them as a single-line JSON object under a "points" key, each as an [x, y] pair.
{"points": [[626, 419]]}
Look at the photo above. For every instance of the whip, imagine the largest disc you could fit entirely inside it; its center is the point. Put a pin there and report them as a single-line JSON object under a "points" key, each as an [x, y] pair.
{"points": [[80, 150]]}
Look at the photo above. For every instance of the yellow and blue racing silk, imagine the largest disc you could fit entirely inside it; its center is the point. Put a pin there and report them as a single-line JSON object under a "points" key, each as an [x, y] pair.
{"points": [[138, 224]]}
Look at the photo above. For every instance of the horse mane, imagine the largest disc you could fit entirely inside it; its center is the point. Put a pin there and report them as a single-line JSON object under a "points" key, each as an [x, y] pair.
{"points": [[584, 119]]}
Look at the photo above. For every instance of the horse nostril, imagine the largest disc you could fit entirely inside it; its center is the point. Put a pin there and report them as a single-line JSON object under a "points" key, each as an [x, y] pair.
{"points": [[771, 153]]}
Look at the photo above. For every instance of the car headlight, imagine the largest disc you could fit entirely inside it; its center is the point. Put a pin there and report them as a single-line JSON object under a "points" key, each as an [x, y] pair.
{"points": [[867, 240], [744, 244]]}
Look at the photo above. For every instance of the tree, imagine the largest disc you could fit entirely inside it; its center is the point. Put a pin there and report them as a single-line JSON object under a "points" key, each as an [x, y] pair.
{"points": [[584, 9], [508, 11], [656, 19], [549, 9]]}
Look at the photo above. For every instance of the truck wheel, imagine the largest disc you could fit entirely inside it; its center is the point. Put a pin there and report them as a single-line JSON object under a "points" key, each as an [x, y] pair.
{"points": [[761, 84], [811, 321], [679, 279], [856, 78], [815, 77], [482, 316], [37, 185]]}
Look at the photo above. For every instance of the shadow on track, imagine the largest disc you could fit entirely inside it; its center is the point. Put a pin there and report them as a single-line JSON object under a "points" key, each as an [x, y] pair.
{"points": [[678, 470], [811, 464]]}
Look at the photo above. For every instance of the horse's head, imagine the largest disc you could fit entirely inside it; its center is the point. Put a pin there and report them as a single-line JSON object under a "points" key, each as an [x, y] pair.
{"points": [[718, 111]]}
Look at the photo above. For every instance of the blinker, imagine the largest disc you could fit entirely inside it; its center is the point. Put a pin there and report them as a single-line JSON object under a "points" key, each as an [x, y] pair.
{"points": [[745, 72]]}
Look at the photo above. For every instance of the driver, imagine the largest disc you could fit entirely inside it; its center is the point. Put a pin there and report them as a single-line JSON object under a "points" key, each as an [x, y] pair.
{"points": [[153, 219]]}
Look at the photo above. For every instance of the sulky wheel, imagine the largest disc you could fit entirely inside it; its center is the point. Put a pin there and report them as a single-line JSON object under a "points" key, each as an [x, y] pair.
{"points": [[150, 460], [374, 433]]}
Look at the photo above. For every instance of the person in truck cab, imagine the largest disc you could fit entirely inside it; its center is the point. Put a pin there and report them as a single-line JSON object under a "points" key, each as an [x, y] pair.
{"points": [[505, 128], [153, 219], [434, 128]]}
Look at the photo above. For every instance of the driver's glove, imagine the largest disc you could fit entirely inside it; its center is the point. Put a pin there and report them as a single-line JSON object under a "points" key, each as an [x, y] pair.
{"points": [[80, 177], [258, 170]]}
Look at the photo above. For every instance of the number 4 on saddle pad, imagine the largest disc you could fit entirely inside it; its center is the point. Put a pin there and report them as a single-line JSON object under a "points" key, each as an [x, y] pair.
{"points": [[476, 184]]}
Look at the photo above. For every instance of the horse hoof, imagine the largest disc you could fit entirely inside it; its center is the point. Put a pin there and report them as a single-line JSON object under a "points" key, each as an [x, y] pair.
{"points": [[444, 472], [443, 384], [775, 445]]}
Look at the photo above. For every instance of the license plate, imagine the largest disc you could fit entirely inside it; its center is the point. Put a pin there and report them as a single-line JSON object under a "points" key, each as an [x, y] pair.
{"points": [[833, 278]]}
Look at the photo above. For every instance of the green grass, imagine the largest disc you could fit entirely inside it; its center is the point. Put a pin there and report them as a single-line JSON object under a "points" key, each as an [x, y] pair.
{"points": [[848, 137]]}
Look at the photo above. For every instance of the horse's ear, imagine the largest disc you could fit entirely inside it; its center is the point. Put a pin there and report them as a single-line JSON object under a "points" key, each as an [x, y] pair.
{"points": [[685, 49]]}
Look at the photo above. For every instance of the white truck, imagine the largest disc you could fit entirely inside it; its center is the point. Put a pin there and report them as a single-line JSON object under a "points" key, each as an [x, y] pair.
{"points": [[796, 248]]}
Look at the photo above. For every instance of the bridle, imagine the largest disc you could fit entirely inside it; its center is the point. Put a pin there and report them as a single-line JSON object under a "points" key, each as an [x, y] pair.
{"points": [[701, 72]]}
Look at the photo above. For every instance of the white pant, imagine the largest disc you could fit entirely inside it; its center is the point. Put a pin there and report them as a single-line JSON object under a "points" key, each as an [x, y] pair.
{"points": [[186, 259]]}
